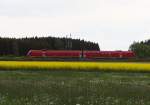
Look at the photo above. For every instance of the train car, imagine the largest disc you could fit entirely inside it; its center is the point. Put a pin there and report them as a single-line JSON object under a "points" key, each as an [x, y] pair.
{"points": [[109, 54], [80, 54], [54, 53]]}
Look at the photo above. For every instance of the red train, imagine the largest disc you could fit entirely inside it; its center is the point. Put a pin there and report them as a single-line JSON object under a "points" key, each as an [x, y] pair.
{"points": [[80, 54]]}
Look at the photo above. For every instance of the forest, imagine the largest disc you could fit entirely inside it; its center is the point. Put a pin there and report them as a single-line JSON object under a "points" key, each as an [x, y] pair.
{"points": [[142, 49], [20, 46]]}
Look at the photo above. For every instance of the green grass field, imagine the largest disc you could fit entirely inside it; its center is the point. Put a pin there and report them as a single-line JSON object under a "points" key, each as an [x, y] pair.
{"points": [[73, 88], [74, 83]]}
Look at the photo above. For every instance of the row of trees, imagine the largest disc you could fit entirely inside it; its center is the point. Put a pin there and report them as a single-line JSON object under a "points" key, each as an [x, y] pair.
{"points": [[142, 49], [20, 47]]}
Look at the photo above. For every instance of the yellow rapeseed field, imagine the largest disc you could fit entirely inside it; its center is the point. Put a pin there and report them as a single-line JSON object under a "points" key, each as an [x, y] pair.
{"points": [[99, 66]]}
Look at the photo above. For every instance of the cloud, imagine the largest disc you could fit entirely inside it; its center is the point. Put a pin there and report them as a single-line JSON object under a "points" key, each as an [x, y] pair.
{"points": [[115, 24]]}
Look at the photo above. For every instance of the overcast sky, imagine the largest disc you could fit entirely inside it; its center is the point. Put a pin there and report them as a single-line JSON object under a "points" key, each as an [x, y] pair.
{"points": [[114, 24]]}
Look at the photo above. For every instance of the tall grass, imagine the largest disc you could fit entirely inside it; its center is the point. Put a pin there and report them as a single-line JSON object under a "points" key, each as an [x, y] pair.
{"points": [[73, 88], [102, 66]]}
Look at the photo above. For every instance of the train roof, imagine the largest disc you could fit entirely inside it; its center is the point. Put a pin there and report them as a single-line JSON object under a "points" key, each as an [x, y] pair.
{"points": [[77, 51]]}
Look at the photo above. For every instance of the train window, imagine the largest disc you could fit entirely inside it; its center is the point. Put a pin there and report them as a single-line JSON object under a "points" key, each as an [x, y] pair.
{"points": [[29, 53]]}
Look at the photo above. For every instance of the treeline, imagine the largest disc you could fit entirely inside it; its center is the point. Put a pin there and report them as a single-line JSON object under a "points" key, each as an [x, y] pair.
{"points": [[142, 49], [20, 47]]}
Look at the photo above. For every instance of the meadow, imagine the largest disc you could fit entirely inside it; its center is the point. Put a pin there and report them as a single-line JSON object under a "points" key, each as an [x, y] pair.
{"points": [[78, 66], [73, 88], [74, 83]]}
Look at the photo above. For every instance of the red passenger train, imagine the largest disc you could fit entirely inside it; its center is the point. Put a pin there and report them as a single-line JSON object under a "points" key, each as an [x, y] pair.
{"points": [[80, 54]]}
